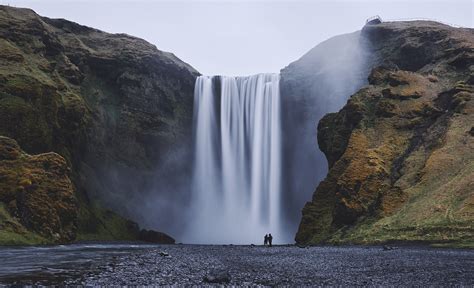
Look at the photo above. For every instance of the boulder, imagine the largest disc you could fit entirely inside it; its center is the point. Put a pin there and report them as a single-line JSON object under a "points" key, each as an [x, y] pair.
{"points": [[155, 237], [218, 277]]}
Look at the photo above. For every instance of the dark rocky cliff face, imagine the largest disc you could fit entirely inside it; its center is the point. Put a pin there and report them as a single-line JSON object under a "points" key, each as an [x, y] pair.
{"points": [[111, 104], [400, 152]]}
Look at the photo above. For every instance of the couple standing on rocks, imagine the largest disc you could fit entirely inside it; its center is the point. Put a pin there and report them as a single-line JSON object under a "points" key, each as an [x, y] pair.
{"points": [[268, 239]]}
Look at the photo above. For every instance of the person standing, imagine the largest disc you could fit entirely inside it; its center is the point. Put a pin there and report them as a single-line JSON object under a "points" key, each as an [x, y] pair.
{"points": [[270, 238], [265, 240]]}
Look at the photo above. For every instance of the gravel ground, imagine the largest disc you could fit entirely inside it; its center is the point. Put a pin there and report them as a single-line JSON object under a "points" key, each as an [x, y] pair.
{"points": [[242, 265]]}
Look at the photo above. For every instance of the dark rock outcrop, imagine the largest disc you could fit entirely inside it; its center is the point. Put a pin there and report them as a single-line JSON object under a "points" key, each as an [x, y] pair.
{"points": [[111, 104], [155, 237], [400, 156]]}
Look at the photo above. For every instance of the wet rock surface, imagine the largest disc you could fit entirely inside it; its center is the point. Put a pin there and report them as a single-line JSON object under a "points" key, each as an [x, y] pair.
{"points": [[236, 265]]}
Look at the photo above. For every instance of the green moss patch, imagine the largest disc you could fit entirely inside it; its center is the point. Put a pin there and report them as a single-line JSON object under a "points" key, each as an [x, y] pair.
{"points": [[99, 224], [13, 233]]}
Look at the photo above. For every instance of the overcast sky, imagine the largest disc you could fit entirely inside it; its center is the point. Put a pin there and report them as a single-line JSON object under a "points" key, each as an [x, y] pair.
{"points": [[242, 37]]}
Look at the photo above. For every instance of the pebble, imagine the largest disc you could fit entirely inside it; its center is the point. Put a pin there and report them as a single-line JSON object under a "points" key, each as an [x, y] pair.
{"points": [[217, 276], [195, 265]]}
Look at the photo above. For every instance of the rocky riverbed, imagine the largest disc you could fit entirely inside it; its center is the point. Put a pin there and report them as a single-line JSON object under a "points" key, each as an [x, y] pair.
{"points": [[125, 264]]}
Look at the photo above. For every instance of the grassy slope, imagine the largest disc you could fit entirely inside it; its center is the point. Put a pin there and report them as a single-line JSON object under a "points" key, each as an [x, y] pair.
{"points": [[99, 224], [371, 197], [13, 233], [440, 206]]}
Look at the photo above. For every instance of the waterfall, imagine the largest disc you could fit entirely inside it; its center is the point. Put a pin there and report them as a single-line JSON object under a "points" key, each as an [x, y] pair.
{"points": [[237, 172]]}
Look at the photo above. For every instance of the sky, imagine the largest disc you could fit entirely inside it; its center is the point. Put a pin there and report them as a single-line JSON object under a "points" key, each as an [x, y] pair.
{"points": [[242, 37]]}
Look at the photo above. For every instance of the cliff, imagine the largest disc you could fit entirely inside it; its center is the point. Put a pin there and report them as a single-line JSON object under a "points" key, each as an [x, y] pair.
{"points": [[401, 151], [111, 105]]}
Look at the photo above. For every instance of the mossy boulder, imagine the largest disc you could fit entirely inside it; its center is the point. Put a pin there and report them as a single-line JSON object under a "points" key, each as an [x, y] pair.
{"points": [[36, 191]]}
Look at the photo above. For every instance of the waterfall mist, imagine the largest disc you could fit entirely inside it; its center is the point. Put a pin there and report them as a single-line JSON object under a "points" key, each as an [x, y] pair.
{"points": [[237, 173], [320, 82], [250, 160]]}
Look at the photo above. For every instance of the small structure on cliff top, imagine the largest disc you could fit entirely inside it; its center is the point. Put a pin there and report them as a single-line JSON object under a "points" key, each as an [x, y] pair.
{"points": [[374, 20]]}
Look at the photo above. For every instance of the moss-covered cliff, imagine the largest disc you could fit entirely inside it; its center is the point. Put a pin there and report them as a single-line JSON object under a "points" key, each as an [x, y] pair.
{"points": [[99, 100], [37, 202], [401, 151]]}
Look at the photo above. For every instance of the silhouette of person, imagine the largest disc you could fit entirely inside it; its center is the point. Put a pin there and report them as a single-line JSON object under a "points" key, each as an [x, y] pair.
{"points": [[265, 240], [270, 238]]}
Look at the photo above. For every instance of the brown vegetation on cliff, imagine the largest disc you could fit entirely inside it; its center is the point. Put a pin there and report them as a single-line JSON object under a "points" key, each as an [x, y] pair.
{"points": [[38, 196], [400, 154]]}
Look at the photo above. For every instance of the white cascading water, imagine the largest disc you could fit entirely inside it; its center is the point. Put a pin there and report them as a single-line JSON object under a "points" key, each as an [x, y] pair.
{"points": [[236, 184]]}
